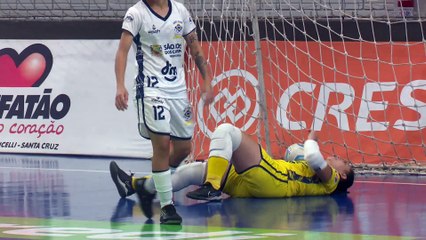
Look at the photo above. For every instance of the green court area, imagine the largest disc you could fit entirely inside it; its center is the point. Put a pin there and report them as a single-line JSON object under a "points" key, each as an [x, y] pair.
{"points": [[32, 228]]}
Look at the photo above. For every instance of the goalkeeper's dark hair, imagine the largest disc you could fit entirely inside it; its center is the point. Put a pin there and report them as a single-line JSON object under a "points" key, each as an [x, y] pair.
{"points": [[344, 184]]}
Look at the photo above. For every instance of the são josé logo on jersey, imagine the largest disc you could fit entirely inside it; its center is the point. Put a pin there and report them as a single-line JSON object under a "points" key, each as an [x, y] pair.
{"points": [[178, 27], [231, 103], [28, 69], [187, 113]]}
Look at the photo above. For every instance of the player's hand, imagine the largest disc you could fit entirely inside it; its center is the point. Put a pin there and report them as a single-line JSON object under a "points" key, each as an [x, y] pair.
{"points": [[121, 98], [312, 135], [208, 95]]}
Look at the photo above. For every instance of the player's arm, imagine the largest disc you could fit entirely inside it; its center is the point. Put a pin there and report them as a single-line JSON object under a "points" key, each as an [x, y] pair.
{"points": [[122, 95], [202, 65], [315, 159]]}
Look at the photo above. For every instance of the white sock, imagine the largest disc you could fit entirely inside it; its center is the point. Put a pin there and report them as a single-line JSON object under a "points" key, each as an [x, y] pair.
{"points": [[189, 174], [185, 175], [163, 185]]}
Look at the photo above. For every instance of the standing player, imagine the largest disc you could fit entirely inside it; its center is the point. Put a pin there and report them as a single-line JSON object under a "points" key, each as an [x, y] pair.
{"points": [[157, 30]]}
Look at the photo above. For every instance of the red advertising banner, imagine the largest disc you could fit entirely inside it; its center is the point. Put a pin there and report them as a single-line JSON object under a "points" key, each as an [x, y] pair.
{"points": [[366, 100]]}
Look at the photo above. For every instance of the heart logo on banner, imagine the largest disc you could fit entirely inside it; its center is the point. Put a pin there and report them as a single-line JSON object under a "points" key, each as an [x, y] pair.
{"points": [[28, 69]]}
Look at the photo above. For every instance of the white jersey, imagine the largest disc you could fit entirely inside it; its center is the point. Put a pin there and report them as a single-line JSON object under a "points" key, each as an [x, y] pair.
{"points": [[160, 48]]}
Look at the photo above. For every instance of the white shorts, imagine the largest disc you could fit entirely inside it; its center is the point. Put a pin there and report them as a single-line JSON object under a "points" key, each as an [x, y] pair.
{"points": [[165, 116]]}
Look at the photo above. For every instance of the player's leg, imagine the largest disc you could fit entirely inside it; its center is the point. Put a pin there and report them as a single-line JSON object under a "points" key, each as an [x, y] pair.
{"points": [[154, 118], [127, 185], [122, 180], [181, 130], [161, 175], [225, 139], [185, 175], [247, 155], [179, 151], [228, 142]]}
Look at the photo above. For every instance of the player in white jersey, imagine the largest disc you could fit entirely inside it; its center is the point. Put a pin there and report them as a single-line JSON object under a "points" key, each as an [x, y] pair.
{"points": [[159, 31]]}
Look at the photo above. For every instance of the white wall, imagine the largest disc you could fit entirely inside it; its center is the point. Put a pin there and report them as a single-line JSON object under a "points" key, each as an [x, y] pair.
{"points": [[421, 8], [116, 8]]}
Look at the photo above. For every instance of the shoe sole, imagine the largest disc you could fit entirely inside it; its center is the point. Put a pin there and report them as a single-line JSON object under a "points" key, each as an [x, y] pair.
{"points": [[171, 222], [113, 167], [145, 203], [146, 207], [212, 199]]}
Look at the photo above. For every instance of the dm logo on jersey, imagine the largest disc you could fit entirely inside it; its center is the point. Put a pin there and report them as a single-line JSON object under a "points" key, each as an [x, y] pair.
{"points": [[156, 50], [28, 69], [169, 72]]}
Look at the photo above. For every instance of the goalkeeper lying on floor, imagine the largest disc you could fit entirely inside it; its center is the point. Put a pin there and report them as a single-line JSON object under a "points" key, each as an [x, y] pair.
{"points": [[240, 167]]}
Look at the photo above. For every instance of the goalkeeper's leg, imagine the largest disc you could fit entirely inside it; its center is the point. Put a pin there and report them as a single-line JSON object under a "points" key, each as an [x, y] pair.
{"points": [[185, 175], [228, 144]]}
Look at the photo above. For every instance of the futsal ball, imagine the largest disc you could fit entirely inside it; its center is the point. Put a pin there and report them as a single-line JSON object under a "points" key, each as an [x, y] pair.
{"points": [[294, 152]]}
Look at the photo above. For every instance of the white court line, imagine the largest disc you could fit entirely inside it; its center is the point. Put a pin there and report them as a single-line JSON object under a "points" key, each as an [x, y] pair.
{"points": [[392, 183], [147, 173], [70, 170]]}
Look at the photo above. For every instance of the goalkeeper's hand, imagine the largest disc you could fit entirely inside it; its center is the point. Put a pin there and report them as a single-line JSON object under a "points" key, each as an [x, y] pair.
{"points": [[313, 136], [312, 153]]}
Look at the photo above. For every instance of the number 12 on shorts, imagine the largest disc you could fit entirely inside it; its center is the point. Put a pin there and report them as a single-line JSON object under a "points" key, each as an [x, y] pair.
{"points": [[158, 113]]}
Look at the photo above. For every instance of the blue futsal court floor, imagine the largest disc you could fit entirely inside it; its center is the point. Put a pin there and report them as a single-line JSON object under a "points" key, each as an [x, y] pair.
{"points": [[52, 197]]}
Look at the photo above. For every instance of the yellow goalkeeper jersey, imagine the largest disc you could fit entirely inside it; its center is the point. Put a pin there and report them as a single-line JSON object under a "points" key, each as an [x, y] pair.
{"points": [[276, 178]]}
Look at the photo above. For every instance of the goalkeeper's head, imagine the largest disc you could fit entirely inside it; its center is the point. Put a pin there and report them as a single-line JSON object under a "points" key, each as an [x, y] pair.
{"points": [[346, 172]]}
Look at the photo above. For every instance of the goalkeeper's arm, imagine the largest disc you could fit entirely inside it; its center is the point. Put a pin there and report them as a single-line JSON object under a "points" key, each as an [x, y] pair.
{"points": [[315, 159]]}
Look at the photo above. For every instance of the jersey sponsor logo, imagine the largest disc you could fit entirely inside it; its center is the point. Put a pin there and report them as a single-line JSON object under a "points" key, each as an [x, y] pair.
{"points": [[173, 49], [177, 36], [26, 109], [26, 69], [157, 100], [128, 18], [169, 72], [178, 27], [154, 30], [187, 113], [156, 50]]}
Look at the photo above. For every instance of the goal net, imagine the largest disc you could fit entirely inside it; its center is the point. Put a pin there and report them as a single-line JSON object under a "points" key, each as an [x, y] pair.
{"points": [[352, 70]]}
